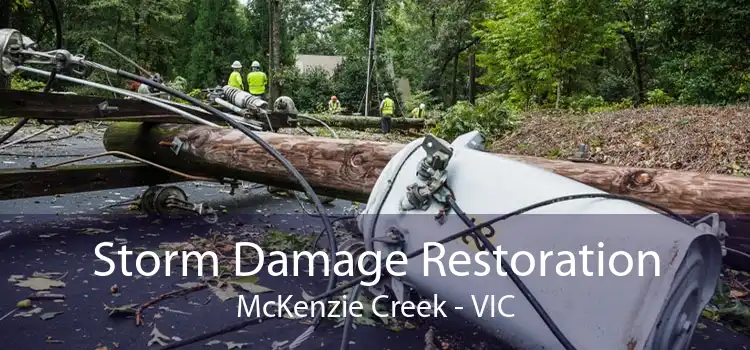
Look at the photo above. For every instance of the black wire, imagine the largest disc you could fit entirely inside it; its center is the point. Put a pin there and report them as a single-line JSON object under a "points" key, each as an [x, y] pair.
{"points": [[515, 278], [275, 153], [468, 231]]}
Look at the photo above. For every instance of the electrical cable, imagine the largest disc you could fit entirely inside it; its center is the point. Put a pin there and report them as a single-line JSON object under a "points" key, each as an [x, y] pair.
{"points": [[513, 276], [459, 234], [268, 148], [135, 95], [138, 159]]}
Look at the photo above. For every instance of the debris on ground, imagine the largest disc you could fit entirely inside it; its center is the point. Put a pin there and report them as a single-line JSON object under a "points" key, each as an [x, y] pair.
{"points": [[701, 139]]}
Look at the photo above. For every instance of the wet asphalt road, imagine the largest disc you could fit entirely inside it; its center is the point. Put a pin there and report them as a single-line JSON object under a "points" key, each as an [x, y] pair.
{"points": [[44, 235]]}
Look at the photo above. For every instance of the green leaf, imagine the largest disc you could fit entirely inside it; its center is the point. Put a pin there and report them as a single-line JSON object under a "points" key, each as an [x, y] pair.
{"points": [[49, 315]]}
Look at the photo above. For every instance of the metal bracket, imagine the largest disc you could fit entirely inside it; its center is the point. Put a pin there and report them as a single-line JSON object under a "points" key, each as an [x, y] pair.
{"points": [[716, 227], [431, 173], [105, 109], [176, 145]]}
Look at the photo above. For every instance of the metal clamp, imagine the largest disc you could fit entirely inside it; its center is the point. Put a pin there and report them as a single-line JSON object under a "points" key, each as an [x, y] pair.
{"points": [[716, 227], [432, 173]]}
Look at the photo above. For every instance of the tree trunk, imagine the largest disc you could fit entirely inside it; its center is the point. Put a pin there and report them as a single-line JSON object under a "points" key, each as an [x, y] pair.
{"points": [[348, 169], [275, 61], [4, 23], [472, 76], [362, 123], [454, 97]]}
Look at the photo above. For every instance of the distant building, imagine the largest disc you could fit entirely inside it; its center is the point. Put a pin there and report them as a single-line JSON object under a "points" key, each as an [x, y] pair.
{"points": [[327, 63]]}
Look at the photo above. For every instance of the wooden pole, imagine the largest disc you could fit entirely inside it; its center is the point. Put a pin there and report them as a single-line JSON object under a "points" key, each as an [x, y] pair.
{"points": [[348, 169], [362, 123]]}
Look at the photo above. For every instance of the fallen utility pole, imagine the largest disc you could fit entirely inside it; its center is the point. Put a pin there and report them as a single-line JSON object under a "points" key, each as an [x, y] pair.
{"points": [[348, 169], [362, 123]]}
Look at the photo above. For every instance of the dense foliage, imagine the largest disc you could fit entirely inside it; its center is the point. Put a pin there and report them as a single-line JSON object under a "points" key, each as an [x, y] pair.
{"points": [[528, 54]]}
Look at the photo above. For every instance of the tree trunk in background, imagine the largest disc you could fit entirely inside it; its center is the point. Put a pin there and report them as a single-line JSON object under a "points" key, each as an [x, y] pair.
{"points": [[472, 76], [275, 41], [5, 23], [455, 80]]}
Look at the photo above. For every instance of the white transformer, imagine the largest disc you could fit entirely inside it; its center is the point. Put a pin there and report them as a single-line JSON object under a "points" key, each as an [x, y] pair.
{"points": [[657, 310]]}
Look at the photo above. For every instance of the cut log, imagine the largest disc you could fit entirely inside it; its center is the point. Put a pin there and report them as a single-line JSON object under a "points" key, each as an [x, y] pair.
{"points": [[362, 123], [348, 169], [25, 183]]}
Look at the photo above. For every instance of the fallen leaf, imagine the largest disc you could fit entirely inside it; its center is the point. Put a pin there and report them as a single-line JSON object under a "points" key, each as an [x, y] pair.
{"points": [[24, 304], [29, 313], [224, 292], [94, 231], [51, 275], [232, 345], [248, 284], [737, 293], [52, 341], [40, 283], [125, 309], [213, 342], [158, 338], [49, 315], [103, 347], [189, 285], [114, 289], [15, 278]]}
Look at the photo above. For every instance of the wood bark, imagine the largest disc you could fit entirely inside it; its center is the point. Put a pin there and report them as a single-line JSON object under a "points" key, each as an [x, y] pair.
{"points": [[349, 168], [26, 183], [362, 123]]}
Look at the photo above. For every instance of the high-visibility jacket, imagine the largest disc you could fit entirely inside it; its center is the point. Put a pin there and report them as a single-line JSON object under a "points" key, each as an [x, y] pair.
{"points": [[256, 82], [235, 80], [386, 107], [334, 105], [417, 112]]}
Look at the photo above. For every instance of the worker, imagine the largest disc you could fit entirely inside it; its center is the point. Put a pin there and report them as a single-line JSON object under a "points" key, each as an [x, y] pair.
{"points": [[146, 90], [386, 113], [235, 79], [334, 105], [418, 112], [257, 81]]}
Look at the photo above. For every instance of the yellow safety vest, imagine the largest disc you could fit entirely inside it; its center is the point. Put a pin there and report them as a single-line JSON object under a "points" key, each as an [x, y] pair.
{"points": [[256, 82], [417, 112], [235, 80], [387, 107], [334, 105]]}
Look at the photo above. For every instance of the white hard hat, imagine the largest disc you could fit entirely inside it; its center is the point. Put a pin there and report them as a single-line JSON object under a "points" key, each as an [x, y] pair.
{"points": [[385, 94], [236, 64], [421, 105], [255, 64]]}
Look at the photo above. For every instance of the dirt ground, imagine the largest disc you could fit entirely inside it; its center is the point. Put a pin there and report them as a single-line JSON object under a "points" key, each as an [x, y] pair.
{"points": [[702, 139]]}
